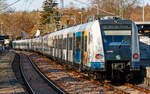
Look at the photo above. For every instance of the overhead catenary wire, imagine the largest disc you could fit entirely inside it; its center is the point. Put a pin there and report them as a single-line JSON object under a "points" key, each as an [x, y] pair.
{"points": [[9, 5], [28, 4], [95, 7], [25, 4]]}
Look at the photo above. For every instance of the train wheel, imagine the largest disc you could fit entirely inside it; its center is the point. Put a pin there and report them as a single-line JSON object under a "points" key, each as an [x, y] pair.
{"points": [[99, 76]]}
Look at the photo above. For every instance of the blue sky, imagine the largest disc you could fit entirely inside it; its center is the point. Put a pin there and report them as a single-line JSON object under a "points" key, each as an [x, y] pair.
{"points": [[30, 5], [26, 4], [37, 4]]}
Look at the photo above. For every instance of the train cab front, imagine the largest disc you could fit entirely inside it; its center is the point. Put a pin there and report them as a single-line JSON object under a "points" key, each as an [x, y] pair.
{"points": [[121, 51]]}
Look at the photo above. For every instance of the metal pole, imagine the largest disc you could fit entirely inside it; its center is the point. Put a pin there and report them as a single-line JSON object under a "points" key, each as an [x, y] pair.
{"points": [[97, 10], [81, 16], [62, 2], [121, 8], [143, 10], [74, 17]]}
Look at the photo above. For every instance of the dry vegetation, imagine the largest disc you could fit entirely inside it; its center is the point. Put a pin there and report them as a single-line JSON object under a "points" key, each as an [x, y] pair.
{"points": [[16, 23]]}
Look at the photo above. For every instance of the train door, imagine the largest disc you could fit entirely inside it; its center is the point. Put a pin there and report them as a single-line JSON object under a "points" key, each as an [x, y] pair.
{"points": [[42, 45], [60, 43], [67, 47], [47, 45], [53, 43], [85, 47], [61, 47], [55, 46], [58, 46], [74, 46], [50, 45], [78, 48], [82, 49]]}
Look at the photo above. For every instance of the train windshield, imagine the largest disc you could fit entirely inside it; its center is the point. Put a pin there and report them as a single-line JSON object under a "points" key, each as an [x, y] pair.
{"points": [[117, 34]]}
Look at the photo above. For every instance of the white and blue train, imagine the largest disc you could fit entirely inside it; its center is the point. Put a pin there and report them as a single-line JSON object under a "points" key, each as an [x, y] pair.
{"points": [[102, 48]]}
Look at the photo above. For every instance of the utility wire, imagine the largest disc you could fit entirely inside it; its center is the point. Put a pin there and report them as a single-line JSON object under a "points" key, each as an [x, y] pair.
{"points": [[94, 7], [25, 4], [30, 3], [10, 5]]}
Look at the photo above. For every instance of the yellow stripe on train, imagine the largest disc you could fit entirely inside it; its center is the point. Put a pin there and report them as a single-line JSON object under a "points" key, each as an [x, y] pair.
{"points": [[85, 33], [85, 57]]}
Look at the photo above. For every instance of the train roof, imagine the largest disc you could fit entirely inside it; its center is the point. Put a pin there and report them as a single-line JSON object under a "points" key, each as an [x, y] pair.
{"points": [[114, 21], [142, 23], [72, 29], [19, 41]]}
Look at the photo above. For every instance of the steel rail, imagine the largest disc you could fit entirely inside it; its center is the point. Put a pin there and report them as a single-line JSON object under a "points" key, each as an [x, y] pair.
{"points": [[31, 91], [50, 83], [115, 89], [138, 87]]}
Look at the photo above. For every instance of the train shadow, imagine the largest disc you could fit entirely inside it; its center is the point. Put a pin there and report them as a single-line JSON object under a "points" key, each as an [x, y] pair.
{"points": [[136, 80]]}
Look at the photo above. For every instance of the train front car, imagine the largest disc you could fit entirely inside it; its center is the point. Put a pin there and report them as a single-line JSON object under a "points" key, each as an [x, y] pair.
{"points": [[121, 48]]}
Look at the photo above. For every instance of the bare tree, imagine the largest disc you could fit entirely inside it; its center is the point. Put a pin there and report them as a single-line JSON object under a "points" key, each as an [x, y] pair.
{"points": [[113, 6], [4, 7]]}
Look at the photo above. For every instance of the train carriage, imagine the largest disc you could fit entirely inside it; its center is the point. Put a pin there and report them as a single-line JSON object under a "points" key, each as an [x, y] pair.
{"points": [[109, 47]]}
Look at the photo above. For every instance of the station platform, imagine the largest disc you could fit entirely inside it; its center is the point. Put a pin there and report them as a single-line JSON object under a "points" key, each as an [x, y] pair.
{"points": [[8, 81]]}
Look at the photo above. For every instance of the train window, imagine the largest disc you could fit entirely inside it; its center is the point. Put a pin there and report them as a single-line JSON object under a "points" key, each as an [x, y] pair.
{"points": [[74, 41], [78, 44], [89, 36], [55, 43], [70, 43], [64, 43], [82, 40], [49, 42], [117, 26], [85, 44], [52, 45], [59, 44]]}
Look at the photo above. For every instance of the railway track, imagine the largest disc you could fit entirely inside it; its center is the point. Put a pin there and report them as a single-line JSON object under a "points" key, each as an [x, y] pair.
{"points": [[107, 86], [147, 91], [35, 81], [132, 89], [111, 87], [104, 84], [122, 89]]}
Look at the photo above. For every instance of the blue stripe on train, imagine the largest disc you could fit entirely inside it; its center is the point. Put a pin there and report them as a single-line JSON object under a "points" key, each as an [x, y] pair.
{"points": [[136, 64], [96, 65], [77, 56], [78, 34]]}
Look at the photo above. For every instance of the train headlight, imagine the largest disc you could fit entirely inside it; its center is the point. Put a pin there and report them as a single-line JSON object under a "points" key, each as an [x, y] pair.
{"points": [[135, 56], [99, 56]]}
